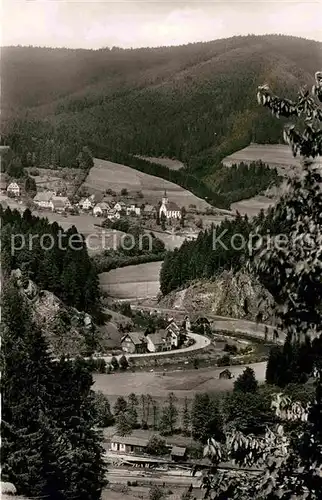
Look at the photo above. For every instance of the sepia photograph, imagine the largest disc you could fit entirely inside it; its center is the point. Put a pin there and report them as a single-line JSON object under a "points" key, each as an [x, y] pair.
{"points": [[161, 249]]}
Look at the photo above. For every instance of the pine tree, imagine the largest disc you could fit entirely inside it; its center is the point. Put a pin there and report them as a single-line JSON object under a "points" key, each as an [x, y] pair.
{"points": [[132, 413], [186, 418], [123, 424], [246, 382], [50, 446], [120, 406], [169, 416]]}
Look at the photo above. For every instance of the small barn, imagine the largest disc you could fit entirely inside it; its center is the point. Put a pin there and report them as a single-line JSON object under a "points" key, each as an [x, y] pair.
{"points": [[178, 453], [226, 374]]}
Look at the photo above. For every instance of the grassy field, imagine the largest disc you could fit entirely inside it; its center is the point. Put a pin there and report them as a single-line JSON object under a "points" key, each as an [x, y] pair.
{"points": [[132, 281], [275, 155], [108, 175], [252, 206], [183, 383]]}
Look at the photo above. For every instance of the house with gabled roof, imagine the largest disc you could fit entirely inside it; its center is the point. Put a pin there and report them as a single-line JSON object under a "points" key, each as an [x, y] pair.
{"points": [[128, 444], [134, 343], [158, 341], [133, 209], [43, 199], [149, 211], [13, 189], [61, 203], [86, 204], [101, 209], [119, 206], [176, 334]]}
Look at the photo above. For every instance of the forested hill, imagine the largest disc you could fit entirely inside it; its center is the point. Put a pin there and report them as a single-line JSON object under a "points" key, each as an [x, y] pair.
{"points": [[195, 102]]}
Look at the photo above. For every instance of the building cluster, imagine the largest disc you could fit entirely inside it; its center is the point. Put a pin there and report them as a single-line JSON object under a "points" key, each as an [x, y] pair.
{"points": [[98, 205], [172, 337]]}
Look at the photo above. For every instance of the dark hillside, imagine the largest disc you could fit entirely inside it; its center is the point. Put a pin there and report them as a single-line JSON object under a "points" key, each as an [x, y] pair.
{"points": [[194, 102]]}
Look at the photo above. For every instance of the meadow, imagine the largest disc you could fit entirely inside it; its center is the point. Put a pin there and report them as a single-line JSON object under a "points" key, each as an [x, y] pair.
{"points": [[129, 282], [274, 155], [182, 383], [108, 175]]}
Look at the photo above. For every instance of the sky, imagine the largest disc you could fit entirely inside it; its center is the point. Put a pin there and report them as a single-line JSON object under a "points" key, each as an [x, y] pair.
{"points": [[93, 24]]}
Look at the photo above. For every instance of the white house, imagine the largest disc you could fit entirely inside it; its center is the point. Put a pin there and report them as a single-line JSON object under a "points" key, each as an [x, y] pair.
{"points": [[44, 199], [174, 333], [133, 209], [86, 203], [119, 206], [112, 214], [101, 209], [13, 189], [169, 209]]}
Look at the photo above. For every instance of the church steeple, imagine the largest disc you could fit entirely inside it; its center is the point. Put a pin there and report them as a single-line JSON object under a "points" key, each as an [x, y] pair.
{"points": [[164, 199]]}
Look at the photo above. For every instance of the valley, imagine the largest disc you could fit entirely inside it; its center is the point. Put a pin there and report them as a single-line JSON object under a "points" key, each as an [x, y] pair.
{"points": [[171, 333]]}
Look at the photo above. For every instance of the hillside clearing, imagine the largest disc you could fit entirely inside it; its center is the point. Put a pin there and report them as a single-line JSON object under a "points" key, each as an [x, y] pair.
{"points": [[132, 281], [109, 175], [252, 206], [274, 155]]}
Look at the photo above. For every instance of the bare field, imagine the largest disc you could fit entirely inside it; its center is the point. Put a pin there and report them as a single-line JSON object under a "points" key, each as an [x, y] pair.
{"points": [[132, 281], [252, 206], [108, 175], [167, 162], [183, 383], [275, 155]]}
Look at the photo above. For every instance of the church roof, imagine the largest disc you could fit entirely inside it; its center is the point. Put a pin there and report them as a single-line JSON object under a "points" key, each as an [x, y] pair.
{"points": [[173, 207]]}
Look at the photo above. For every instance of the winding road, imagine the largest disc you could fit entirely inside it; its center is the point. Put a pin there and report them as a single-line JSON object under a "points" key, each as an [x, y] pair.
{"points": [[183, 382]]}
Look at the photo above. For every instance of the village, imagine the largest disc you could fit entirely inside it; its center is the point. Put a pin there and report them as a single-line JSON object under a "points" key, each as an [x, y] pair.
{"points": [[111, 207]]}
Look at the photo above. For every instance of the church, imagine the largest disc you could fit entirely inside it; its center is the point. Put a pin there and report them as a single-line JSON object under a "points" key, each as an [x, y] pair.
{"points": [[169, 209]]}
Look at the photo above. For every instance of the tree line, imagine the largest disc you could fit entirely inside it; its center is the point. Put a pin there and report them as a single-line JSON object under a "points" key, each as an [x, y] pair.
{"points": [[137, 247], [247, 409], [56, 260], [50, 447]]}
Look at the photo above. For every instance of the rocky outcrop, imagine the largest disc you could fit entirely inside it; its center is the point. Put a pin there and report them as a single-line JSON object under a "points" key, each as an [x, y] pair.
{"points": [[67, 330], [237, 295]]}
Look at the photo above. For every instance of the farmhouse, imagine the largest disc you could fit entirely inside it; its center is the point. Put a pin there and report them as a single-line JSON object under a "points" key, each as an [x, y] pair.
{"points": [[175, 334], [86, 203], [133, 209], [44, 199], [158, 341], [61, 203], [128, 444], [13, 189], [169, 209], [134, 343], [119, 206], [149, 211], [101, 209]]}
